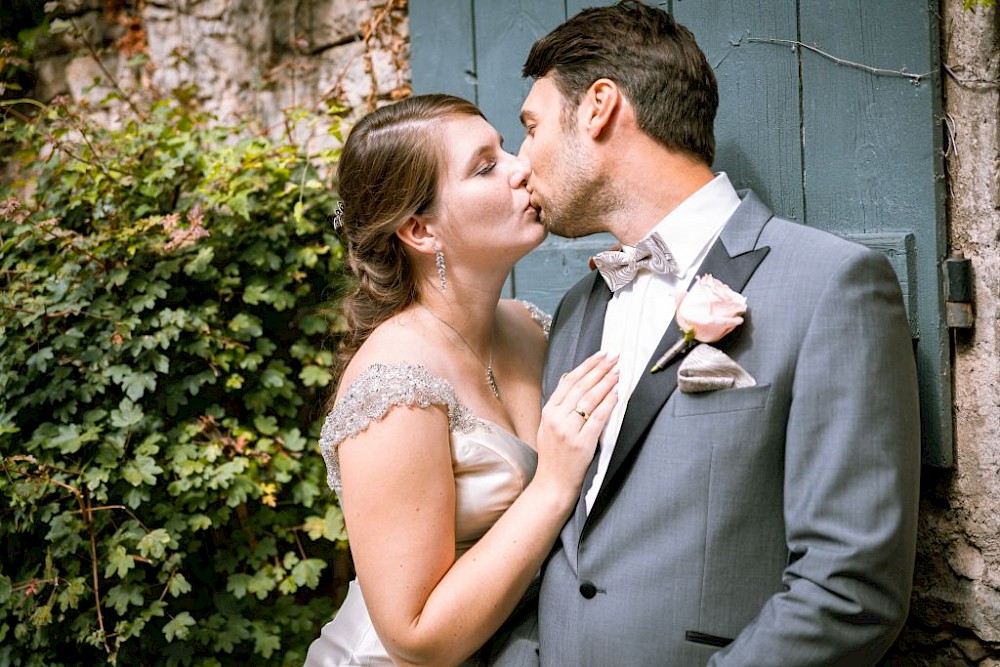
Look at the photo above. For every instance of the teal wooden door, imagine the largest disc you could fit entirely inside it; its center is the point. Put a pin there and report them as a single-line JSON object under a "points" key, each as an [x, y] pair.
{"points": [[829, 111]]}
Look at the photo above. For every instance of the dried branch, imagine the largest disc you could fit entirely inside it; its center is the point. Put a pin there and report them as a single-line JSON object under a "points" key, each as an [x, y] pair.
{"points": [[878, 71], [971, 83], [111, 78], [97, 585], [366, 36], [55, 141]]}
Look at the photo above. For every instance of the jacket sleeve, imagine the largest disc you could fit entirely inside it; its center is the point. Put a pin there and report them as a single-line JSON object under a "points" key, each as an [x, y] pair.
{"points": [[852, 458]]}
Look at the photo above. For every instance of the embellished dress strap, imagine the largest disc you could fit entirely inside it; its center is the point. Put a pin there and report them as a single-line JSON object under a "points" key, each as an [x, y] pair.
{"points": [[378, 389], [541, 318]]}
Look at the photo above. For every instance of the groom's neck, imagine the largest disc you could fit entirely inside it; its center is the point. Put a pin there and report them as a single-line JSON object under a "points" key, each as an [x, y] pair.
{"points": [[655, 181]]}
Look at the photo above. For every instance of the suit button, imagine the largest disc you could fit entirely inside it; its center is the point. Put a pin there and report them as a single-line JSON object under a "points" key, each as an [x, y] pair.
{"points": [[588, 589]]}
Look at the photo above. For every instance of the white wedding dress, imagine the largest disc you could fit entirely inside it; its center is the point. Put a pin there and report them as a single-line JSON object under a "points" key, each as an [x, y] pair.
{"points": [[491, 467]]}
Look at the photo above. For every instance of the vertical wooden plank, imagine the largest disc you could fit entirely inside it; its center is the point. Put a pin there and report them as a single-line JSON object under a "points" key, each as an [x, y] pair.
{"points": [[868, 138], [442, 53], [872, 158], [757, 127], [505, 31]]}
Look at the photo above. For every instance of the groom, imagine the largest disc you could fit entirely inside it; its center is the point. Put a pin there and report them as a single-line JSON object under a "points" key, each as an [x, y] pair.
{"points": [[771, 524]]}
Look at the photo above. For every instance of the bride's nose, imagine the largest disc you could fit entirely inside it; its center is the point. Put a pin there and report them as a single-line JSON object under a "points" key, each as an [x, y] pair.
{"points": [[519, 172]]}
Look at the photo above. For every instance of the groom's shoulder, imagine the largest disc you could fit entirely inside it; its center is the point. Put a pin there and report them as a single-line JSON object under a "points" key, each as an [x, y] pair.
{"points": [[807, 255], [778, 230], [781, 231]]}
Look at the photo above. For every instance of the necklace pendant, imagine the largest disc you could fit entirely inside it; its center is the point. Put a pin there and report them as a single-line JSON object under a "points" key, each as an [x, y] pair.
{"points": [[492, 381]]}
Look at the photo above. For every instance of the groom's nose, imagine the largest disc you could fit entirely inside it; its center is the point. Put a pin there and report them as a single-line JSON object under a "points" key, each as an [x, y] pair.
{"points": [[520, 171], [522, 151]]}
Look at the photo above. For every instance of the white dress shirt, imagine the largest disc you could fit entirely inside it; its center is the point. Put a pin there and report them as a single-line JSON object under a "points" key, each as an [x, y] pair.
{"points": [[639, 313]]}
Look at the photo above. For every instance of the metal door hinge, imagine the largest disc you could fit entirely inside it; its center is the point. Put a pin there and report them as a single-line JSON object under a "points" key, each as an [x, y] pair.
{"points": [[958, 292]]}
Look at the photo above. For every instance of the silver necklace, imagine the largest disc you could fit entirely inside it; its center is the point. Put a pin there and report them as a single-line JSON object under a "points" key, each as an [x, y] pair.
{"points": [[491, 379]]}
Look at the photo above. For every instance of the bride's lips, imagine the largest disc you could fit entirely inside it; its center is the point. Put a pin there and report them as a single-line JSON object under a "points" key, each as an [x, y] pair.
{"points": [[535, 211], [537, 208]]}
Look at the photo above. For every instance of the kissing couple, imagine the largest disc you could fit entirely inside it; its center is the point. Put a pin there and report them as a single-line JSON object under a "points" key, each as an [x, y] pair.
{"points": [[708, 455]]}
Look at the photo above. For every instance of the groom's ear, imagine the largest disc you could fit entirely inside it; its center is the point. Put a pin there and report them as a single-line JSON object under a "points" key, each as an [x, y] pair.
{"points": [[600, 108]]}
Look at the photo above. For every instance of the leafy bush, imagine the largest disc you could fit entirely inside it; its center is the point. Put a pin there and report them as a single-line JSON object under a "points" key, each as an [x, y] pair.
{"points": [[166, 289]]}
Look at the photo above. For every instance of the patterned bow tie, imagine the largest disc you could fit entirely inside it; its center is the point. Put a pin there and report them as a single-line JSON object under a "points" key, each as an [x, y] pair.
{"points": [[619, 267]]}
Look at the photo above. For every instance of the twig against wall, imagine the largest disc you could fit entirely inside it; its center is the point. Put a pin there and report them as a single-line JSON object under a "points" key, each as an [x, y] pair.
{"points": [[878, 71], [383, 14], [82, 36], [970, 83]]}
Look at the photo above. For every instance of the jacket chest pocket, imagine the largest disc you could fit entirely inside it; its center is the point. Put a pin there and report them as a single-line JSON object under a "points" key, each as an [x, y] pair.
{"points": [[724, 400], [731, 425]]}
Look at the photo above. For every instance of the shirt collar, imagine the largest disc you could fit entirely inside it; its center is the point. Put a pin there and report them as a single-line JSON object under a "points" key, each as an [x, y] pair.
{"points": [[697, 222]]}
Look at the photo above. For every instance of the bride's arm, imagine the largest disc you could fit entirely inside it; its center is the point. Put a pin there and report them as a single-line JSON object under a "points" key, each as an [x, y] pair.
{"points": [[399, 504]]}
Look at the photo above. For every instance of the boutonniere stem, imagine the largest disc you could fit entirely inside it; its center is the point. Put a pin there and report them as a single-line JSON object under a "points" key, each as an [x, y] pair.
{"points": [[682, 345], [705, 314]]}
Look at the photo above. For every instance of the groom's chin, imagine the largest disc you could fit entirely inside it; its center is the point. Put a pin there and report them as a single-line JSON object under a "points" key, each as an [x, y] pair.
{"points": [[553, 226], [563, 232]]}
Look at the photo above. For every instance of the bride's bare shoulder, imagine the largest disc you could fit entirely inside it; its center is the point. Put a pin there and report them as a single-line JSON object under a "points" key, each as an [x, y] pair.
{"points": [[527, 315], [400, 340]]}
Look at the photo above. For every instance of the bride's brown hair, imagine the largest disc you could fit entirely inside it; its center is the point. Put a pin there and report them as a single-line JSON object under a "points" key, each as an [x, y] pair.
{"points": [[389, 169]]}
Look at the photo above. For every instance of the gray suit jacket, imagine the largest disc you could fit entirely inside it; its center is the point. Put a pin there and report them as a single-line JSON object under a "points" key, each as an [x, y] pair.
{"points": [[772, 525]]}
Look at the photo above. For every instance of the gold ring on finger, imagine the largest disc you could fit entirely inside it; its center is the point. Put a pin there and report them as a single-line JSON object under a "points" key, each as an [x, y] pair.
{"points": [[583, 413]]}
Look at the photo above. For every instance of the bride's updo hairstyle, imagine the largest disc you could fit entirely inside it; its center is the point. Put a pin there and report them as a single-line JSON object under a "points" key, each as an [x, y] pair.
{"points": [[389, 169]]}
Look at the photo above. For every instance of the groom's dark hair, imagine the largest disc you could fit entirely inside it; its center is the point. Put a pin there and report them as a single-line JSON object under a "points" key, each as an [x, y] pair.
{"points": [[654, 60]]}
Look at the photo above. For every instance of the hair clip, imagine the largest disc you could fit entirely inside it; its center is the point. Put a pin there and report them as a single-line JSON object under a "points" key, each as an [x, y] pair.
{"points": [[338, 216]]}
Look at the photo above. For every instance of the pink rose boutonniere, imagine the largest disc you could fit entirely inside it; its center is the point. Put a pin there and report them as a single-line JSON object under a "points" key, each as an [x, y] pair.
{"points": [[705, 314]]}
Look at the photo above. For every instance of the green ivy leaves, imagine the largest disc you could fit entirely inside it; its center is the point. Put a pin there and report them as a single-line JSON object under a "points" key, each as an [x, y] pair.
{"points": [[165, 348]]}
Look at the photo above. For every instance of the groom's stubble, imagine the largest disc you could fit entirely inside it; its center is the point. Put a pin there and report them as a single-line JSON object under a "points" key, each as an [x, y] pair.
{"points": [[582, 197]]}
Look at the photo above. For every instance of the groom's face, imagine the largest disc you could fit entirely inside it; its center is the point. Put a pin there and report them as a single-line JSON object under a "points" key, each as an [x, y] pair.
{"points": [[564, 184]]}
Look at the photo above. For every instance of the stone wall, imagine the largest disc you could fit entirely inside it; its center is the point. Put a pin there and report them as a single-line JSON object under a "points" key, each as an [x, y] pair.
{"points": [[955, 615], [237, 58]]}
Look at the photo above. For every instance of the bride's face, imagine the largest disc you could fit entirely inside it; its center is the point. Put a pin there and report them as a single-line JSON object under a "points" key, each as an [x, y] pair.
{"points": [[483, 204]]}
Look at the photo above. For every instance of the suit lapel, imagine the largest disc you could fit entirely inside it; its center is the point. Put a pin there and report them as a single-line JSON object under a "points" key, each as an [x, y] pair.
{"points": [[587, 342], [592, 329], [651, 393]]}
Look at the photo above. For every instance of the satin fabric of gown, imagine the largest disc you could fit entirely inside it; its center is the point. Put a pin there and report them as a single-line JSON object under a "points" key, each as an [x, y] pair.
{"points": [[491, 468]]}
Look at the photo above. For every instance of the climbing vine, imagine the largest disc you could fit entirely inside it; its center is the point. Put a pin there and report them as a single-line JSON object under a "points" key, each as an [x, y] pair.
{"points": [[167, 298]]}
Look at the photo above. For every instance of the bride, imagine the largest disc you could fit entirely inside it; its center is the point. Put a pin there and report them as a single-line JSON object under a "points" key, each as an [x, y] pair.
{"points": [[454, 481]]}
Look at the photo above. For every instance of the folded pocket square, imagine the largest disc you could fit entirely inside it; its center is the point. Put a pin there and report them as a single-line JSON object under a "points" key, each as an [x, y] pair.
{"points": [[708, 369]]}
